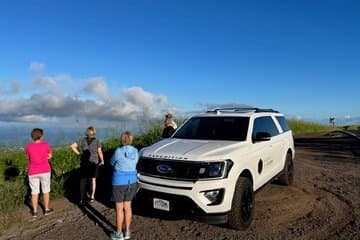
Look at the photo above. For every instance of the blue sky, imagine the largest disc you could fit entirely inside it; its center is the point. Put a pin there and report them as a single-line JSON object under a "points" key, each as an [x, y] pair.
{"points": [[123, 60]]}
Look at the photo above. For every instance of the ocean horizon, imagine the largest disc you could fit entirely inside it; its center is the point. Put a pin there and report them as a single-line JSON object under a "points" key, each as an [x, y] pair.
{"points": [[19, 136]]}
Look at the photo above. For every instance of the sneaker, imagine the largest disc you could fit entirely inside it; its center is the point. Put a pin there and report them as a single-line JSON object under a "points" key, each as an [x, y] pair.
{"points": [[48, 211], [127, 235], [34, 215], [116, 236], [92, 200]]}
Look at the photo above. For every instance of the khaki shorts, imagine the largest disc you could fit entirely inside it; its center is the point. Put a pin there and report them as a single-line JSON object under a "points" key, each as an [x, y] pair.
{"points": [[43, 180]]}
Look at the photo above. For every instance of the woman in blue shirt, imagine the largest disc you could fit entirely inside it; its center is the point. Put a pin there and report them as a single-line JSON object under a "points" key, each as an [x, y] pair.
{"points": [[124, 182]]}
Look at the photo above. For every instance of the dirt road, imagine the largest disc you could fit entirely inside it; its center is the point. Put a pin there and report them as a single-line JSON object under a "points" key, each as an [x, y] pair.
{"points": [[323, 203]]}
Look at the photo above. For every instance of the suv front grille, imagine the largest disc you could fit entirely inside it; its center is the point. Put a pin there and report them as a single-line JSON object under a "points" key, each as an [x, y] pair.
{"points": [[172, 169]]}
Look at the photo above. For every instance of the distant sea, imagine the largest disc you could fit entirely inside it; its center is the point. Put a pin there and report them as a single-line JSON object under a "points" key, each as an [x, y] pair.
{"points": [[17, 137]]}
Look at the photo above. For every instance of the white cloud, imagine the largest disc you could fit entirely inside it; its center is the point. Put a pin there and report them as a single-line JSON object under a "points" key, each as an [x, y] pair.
{"points": [[138, 96], [58, 83], [97, 86], [45, 81], [60, 97], [35, 118], [36, 66], [49, 106], [347, 117], [14, 88], [161, 99], [144, 102], [62, 77]]}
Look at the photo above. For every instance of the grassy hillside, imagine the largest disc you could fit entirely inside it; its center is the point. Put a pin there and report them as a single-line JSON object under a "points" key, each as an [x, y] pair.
{"points": [[300, 126]]}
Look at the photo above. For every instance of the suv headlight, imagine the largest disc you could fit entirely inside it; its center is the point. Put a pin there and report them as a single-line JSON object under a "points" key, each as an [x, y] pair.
{"points": [[215, 169]]}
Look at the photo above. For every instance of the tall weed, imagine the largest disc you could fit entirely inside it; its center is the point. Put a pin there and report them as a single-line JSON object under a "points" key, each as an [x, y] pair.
{"points": [[300, 126]]}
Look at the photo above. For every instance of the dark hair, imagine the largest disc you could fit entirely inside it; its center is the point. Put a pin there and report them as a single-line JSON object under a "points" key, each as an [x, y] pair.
{"points": [[36, 134]]}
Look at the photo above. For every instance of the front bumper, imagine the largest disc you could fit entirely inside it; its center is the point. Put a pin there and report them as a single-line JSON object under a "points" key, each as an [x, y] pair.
{"points": [[188, 196], [180, 206]]}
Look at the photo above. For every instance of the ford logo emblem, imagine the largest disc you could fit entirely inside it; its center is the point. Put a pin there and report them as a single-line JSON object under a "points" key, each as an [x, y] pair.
{"points": [[163, 168]]}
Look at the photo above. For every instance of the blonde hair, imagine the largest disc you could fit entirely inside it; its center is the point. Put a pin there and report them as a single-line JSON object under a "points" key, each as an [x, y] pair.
{"points": [[90, 131], [126, 138]]}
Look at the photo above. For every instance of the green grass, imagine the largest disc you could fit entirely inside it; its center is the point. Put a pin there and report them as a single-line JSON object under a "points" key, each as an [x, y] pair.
{"points": [[11, 194], [351, 127], [300, 127]]}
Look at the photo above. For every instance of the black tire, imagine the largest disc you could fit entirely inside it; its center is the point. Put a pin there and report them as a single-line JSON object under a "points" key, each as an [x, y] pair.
{"points": [[243, 203], [287, 175]]}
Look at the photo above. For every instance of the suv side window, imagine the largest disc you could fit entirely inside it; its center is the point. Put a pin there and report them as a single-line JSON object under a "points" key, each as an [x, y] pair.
{"points": [[283, 123], [264, 124]]}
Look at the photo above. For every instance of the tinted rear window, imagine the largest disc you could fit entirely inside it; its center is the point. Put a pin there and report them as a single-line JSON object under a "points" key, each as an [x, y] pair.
{"points": [[214, 128], [283, 123]]}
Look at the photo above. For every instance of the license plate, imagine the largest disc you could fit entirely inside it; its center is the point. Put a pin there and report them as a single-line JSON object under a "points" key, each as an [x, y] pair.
{"points": [[161, 204]]}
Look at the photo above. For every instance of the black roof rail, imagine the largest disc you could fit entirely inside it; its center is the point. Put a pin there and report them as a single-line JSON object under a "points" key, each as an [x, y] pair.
{"points": [[241, 109], [267, 110]]}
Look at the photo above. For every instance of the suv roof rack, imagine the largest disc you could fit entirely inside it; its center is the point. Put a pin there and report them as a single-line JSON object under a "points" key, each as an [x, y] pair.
{"points": [[241, 109]]}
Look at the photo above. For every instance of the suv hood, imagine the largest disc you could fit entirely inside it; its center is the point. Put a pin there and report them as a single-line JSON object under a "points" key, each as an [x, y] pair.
{"points": [[182, 149]]}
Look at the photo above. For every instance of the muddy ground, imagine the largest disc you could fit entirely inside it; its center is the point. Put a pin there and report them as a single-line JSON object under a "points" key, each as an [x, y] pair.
{"points": [[322, 203]]}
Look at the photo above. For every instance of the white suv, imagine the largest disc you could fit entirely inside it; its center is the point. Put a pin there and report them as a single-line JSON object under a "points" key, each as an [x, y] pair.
{"points": [[215, 161]]}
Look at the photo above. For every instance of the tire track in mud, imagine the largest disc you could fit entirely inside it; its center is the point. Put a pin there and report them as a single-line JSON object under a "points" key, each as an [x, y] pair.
{"points": [[336, 209], [317, 211]]}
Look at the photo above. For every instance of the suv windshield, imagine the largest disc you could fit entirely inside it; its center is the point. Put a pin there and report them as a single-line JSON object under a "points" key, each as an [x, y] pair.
{"points": [[214, 128]]}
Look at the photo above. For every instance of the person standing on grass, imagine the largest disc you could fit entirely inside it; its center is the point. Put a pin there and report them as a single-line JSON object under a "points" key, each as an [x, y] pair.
{"points": [[124, 181], [39, 171], [91, 157]]}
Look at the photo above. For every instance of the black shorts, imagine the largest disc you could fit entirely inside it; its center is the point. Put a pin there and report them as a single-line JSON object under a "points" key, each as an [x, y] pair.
{"points": [[124, 193], [89, 170]]}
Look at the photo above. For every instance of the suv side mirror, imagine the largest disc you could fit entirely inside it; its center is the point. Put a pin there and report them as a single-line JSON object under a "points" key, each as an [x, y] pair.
{"points": [[262, 136]]}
